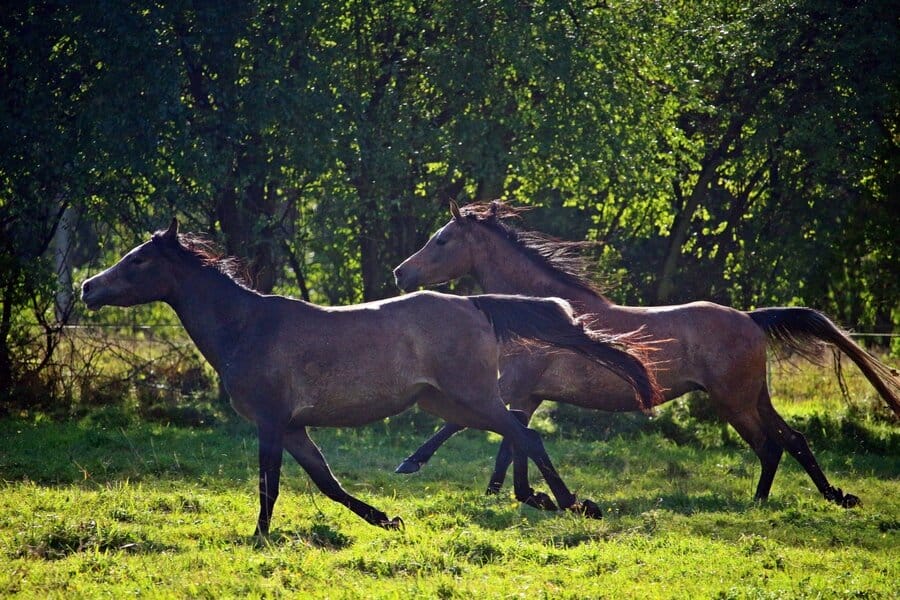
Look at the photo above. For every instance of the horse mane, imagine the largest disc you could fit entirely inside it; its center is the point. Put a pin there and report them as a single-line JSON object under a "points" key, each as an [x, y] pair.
{"points": [[564, 260], [201, 249]]}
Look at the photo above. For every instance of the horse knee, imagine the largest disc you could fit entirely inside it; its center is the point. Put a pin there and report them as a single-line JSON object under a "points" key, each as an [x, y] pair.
{"points": [[533, 438], [796, 441], [786, 436], [521, 416]]}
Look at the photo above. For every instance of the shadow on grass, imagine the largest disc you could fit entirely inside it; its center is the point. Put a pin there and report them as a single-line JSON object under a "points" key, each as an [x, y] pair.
{"points": [[675, 502], [684, 504], [64, 539], [318, 535], [80, 454]]}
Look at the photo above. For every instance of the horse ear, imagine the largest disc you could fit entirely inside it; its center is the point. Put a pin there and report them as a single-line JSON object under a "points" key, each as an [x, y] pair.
{"points": [[454, 210], [172, 232]]}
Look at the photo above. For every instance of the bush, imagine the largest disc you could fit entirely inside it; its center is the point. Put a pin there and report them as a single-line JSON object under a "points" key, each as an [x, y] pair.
{"points": [[137, 372]]}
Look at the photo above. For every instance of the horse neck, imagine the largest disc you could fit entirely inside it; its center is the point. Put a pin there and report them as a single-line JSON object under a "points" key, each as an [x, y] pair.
{"points": [[501, 268], [214, 310]]}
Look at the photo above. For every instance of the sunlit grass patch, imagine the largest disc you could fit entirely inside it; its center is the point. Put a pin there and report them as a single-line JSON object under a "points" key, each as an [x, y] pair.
{"points": [[98, 507]]}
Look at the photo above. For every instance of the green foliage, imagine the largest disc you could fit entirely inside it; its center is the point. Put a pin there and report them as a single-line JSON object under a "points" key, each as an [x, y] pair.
{"points": [[744, 154]]}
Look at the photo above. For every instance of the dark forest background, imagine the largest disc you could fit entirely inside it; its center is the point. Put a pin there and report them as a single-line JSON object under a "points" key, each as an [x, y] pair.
{"points": [[742, 154]]}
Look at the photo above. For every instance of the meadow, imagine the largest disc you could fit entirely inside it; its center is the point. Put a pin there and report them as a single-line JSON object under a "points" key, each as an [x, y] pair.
{"points": [[106, 503]]}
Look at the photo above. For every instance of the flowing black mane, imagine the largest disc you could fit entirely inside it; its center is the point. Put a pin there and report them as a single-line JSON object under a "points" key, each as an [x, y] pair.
{"points": [[564, 260], [204, 251]]}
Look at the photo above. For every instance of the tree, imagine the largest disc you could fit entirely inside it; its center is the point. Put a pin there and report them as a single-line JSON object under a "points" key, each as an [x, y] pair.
{"points": [[745, 154]]}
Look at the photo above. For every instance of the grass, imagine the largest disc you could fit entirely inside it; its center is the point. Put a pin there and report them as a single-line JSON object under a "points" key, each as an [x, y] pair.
{"points": [[109, 505]]}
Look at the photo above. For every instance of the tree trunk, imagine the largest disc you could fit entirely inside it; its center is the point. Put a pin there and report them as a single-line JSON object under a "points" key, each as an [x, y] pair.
{"points": [[238, 215], [680, 228], [62, 246], [6, 378], [678, 236], [297, 267], [368, 258]]}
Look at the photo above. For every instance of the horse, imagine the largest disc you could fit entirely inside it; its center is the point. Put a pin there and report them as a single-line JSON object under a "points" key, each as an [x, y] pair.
{"points": [[702, 345], [289, 364]]}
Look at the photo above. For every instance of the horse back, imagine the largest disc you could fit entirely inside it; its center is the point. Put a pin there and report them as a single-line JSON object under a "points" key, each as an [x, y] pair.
{"points": [[696, 343]]}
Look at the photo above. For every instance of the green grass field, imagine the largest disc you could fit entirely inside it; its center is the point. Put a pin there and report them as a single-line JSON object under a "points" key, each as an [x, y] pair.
{"points": [[106, 505]]}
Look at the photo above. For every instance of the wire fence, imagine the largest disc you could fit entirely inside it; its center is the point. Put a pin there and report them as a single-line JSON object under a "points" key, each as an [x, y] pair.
{"points": [[152, 326], [129, 324], [182, 345], [157, 365]]}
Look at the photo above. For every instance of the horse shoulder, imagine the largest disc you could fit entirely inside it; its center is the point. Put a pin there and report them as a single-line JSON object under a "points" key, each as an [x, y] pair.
{"points": [[444, 327]]}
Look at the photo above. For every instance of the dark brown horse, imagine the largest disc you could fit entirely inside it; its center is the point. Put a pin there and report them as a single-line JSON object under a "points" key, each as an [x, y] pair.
{"points": [[711, 347], [288, 364]]}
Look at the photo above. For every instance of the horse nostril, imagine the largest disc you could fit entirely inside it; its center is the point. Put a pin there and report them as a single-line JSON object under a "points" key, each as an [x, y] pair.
{"points": [[405, 278], [86, 288]]}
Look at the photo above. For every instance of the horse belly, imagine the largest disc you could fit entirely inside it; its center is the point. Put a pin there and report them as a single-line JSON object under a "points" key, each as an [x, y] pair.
{"points": [[574, 380], [353, 406]]}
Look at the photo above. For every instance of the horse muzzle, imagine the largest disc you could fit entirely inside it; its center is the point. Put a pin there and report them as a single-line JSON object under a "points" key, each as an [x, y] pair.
{"points": [[406, 278], [93, 294]]}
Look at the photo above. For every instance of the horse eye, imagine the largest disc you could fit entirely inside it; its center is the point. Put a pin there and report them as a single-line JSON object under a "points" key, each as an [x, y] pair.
{"points": [[440, 241]]}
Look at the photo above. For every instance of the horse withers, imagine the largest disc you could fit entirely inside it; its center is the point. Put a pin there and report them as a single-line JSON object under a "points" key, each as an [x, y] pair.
{"points": [[289, 364]]}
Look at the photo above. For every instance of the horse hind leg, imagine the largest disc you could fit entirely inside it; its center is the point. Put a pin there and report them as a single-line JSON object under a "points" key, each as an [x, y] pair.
{"points": [[769, 457], [304, 450], [795, 443], [509, 453], [270, 453], [484, 411], [521, 486], [769, 451]]}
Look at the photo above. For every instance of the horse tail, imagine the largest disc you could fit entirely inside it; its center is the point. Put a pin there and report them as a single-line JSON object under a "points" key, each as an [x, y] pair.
{"points": [[802, 330], [552, 321]]}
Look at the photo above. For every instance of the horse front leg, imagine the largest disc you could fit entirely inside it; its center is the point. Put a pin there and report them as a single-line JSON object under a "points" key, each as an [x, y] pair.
{"points": [[270, 453], [522, 487], [501, 466], [305, 452], [423, 454], [523, 409], [505, 457]]}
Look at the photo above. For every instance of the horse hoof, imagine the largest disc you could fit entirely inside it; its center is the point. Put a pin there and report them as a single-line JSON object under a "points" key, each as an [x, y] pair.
{"points": [[260, 538], [395, 523], [493, 489], [261, 533], [407, 467], [587, 508], [540, 501], [838, 496], [850, 501]]}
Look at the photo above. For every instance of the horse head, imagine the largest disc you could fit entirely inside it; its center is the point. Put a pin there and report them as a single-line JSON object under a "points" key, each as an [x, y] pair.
{"points": [[143, 275]]}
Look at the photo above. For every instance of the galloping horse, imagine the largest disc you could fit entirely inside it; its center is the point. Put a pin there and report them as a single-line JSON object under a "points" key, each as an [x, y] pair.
{"points": [[709, 347], [288, 364]]}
